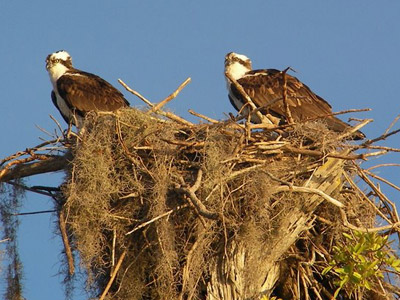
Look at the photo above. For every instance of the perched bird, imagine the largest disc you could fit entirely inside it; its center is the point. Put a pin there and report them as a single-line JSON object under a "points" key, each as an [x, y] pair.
{"points": [[76, 92], [265, 89]]}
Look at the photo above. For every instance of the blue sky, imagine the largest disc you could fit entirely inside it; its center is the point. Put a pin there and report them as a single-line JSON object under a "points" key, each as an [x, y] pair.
{"points": [[346, 51]]}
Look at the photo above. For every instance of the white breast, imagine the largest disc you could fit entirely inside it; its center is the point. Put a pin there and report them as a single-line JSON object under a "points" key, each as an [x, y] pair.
{"points": [[56, 72]]}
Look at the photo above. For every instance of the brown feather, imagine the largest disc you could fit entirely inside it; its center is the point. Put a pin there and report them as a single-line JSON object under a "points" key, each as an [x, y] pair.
{"points": [[87, 92], [266, 87]]}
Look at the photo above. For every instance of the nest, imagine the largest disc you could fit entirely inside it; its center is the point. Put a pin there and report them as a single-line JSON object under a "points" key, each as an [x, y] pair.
{"points": [[157, 207], [169, 210]]}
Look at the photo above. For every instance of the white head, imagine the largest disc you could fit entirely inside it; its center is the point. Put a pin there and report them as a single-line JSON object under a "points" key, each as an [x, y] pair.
{"points": [[57, 64], [236, 65]]}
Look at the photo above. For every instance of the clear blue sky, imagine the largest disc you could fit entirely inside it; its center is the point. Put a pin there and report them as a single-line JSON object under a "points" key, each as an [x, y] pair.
{"points": [[346, 51]]}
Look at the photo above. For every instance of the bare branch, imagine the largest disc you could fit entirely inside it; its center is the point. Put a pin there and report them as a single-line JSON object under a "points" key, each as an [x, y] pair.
{"points": [[53, 164], [170, 97]]}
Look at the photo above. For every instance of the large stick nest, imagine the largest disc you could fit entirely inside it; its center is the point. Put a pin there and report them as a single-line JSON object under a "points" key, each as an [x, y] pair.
{"points": [[161, 208], [180, 211]]}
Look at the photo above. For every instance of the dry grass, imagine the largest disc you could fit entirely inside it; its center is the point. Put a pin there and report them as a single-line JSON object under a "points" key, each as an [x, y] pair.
{"points": [[129, 190]]}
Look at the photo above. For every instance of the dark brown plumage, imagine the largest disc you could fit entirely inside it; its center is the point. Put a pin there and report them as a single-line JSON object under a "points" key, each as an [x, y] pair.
{"points": [[76, 92], [265, 88], [88, 92]]}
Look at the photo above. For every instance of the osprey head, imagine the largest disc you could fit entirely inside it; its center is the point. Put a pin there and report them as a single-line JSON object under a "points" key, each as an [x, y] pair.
{"points": [[236, 65], [59, 57], [57, 64]]}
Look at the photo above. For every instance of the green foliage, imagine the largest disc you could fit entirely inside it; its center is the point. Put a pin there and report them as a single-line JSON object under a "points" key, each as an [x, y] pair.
{"points": [[358, 261]]}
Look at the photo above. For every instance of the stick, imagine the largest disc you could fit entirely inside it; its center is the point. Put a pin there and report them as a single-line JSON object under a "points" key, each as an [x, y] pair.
{"points": [[157, 218], [113, 274], [35, 212], [354, 129], [52, 164], [191, 193], [262, 117], [170, 97], [392, 124], [284, 95], [67, 247], [135, 93], [169, 115], [301, 189], [203, 117], [382, 179], [382, 137]]}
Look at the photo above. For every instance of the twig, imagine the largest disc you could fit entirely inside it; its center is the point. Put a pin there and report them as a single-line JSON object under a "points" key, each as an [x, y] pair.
{"points": [[301, 189], [114, 242], [392, 124], [203, 117], [354, 129], [67, 247], [113, 275], [170, 97], [284, 95], [383, 165], [58, 125], [392, 210], [157, 218], [262, 117], [395, 226], [35, 212], [364, 197], [382, 179], [169, 115], [31, 189], [191, 193], [350, 111], [379, 138], [137, 94], [28, 151], [54, 163]]}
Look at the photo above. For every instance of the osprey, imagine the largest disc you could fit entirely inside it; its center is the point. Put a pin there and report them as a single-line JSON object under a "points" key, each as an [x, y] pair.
{"points": [[76, 92], [265, 88]]}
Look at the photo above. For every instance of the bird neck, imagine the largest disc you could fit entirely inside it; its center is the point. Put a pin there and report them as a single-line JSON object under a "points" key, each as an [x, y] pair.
{"points": [[56, 71], [237, 70]]}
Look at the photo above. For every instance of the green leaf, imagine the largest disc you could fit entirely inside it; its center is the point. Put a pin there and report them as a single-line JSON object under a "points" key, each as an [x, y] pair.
{"points": [[326, 270], [336, 293], [395, 263], [355, 278], [367, 285], [348, 236], [373, 264]]}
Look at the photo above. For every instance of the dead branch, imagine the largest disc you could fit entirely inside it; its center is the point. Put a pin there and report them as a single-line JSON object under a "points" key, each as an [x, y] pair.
{"points": [[301, 189], [52, 164], [263, 118], [392, 124], [159, 105], [137, 94], [156, 218], [203, 117], [381, 137], [166, 114], [113, 275], [191, 193], [67, 246]]}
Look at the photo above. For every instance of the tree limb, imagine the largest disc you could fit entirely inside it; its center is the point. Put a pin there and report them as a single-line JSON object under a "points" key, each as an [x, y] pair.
{"points": [[53, 164]]}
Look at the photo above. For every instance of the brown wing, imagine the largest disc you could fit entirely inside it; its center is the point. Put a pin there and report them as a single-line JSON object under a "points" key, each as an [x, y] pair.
{"points": [[265, 87], [86, 92]]}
